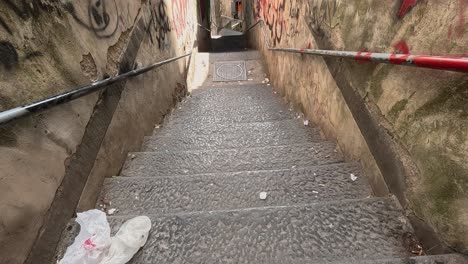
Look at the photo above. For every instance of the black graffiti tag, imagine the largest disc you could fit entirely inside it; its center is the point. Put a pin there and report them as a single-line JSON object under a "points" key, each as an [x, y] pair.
{"points": [[102, 21], [160, 24]]}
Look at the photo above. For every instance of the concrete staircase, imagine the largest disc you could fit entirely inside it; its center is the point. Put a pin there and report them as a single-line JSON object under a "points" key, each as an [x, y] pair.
{"points": [[199, 177]]}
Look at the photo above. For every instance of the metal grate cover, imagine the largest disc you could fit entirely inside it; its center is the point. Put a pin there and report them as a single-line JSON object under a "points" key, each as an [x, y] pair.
{"points": [[228, 71]]}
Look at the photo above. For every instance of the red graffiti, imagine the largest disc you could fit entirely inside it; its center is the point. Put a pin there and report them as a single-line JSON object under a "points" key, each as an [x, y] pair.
{"points": [[179, 12], [401, 47], [405, 7], [458, 30], [272, 13]]}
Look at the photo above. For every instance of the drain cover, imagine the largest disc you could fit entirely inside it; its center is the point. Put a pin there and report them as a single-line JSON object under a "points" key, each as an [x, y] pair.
{"points": [[227, 71]]}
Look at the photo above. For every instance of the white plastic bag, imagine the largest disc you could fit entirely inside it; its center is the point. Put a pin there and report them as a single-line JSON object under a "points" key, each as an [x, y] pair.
{"points": [[92, 242], [131, 236]]}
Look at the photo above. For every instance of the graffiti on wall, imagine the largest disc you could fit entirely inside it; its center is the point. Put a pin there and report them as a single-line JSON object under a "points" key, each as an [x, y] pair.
{"points": [[23, 10], [457, 29], [272, 13], [159, 24], [100, 17], [322, 17], [405, 6], [179, 16]]}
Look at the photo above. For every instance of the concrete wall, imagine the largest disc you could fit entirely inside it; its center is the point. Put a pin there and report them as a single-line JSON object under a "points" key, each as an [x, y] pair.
{"points": [[46, 159], [407, 126]]}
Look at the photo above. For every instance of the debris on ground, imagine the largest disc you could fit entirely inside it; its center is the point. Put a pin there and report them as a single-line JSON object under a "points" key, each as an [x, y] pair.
{"points": [[263, 195], [131, 236], [412, 244], [93, 240], [353, 177], [112, 211], [266, 80], [306, 122], [94, 245]]}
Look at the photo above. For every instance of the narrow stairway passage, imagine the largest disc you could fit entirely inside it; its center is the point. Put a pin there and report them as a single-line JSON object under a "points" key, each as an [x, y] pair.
{"points": [[200, 174]]}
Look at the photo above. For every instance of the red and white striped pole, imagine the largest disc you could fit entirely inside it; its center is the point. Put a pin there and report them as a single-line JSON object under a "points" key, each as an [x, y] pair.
{"points": [[448, 63]]}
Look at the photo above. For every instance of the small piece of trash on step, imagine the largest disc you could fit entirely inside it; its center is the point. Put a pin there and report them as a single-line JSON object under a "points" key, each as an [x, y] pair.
{"points": [[132, 156], [306, 122], [112, 211], [266, 80], [353, 177], [263, 195], [250, 79]]}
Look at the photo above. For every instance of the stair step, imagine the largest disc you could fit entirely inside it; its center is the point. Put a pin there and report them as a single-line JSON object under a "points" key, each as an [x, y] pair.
{"points": [[232, 92], [232, 117], [207, 192], [255, 90], [235, 56], [286, 126], [166, 163], [246, 135], [218, 108], [435, 259], [316, 233]]}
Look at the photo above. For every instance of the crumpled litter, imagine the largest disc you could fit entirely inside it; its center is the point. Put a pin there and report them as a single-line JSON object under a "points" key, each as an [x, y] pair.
{"points": [[94, 245]]}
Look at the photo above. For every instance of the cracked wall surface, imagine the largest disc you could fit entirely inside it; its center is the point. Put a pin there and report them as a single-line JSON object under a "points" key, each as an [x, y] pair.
{"points": [[415, 141], [49, 47]]}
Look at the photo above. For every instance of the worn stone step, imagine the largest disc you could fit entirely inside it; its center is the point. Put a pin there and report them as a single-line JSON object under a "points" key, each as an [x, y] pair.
{"points": [[242, 94], [287, 126], [166, 163], [243, 135], [222, 191], [316, 233], [253, 90], [435, 259], [235, 56], [227, 116]]}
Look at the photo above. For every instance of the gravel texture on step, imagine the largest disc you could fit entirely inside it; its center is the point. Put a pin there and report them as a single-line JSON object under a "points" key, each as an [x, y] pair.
{"points": [[283, 126], [236, 56], [252, 90], [166, 163], [352, 230], [206, 192], [242, 135]]}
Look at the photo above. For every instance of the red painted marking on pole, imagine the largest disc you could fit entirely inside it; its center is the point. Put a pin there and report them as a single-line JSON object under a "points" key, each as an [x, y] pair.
{"points": [[405, 6], [302, 50], [401, 47], [363, 57], [442, 63], [398, 59]]}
